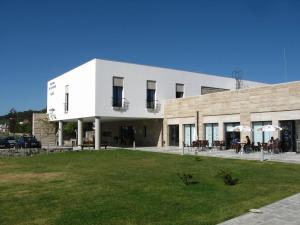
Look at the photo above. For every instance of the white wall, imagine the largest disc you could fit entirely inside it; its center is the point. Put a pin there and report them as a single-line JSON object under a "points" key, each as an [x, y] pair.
{"points": [[90, 89], [135, 77], [81, 81]]}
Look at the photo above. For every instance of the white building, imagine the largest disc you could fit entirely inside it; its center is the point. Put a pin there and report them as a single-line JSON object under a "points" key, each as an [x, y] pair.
{"points": [[125, 100]]}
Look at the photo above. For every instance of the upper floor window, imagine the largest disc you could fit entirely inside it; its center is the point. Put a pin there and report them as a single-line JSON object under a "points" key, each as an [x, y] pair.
{"points": [[117, 91], [151, 89], [208, 90], [179, 90], [66, 99]]}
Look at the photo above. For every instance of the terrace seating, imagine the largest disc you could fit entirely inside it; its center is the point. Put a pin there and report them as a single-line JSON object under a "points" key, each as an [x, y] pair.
{"points": [[200, 144]]}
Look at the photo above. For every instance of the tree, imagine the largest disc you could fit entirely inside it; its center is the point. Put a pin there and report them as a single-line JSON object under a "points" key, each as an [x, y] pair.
{"points": [[12, 124]]}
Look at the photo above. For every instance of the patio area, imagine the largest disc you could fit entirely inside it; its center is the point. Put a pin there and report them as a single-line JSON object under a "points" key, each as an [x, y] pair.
{"points": [[287, 157]]}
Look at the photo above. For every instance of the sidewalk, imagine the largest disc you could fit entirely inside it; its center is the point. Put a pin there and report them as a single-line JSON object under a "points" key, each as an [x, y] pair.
{"points": [[283, 212], [287, 157]]}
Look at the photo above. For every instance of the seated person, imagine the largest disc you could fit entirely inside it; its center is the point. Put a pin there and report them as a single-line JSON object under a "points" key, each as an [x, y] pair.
{"points": [[247, 146], [235, 144], [271, 144]]}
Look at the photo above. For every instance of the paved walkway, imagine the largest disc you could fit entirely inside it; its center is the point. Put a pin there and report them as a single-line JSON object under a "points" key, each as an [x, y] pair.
{"points": [[288, 157], [283, 212]]}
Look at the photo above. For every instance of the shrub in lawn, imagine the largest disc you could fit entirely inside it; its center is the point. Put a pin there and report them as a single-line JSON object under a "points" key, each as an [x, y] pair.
{"points": [[227, 177], [198, 159], [187, 179]]}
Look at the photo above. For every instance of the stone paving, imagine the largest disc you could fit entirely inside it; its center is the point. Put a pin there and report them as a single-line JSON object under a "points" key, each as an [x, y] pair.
{"points": [[287, 157], [283, 212]]}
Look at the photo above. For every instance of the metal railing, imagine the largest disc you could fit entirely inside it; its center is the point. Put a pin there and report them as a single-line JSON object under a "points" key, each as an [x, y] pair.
{"points": [[120, 103]]}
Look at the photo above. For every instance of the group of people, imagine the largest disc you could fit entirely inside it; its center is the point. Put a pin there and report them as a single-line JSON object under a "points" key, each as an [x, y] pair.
{"points": [[249, 146]]}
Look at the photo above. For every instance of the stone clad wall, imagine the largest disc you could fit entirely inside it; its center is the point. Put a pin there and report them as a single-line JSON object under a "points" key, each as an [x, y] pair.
{"points": [[275, 102], [43, 130]]}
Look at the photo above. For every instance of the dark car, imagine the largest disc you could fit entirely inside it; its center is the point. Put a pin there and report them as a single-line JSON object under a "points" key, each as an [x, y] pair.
{"points": [[12, 141], [28, 142], [4, 143]]}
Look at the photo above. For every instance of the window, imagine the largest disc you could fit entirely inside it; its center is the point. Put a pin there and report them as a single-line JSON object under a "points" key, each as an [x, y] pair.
{"points": [[179, 90], [151, 88], [145, 131], [66, 99], [209, 90], [117, 92], [259, 136], [211, 133], [189, 134]]}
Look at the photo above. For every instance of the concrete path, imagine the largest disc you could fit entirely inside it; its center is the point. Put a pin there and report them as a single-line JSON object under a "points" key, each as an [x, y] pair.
{"points": [[283, 212], [288, 157]]}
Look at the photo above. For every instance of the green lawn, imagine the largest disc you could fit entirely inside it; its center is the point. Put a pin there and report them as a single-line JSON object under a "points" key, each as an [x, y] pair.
{"points": [[131, 187]]}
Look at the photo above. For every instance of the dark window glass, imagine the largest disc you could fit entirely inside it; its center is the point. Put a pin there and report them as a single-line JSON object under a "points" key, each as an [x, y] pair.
{"points": [[179, 94], [67, 102], [117, 96], [150, 99]]}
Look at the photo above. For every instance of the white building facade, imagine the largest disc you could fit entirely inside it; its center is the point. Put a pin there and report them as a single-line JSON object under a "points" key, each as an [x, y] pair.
{"points": [[125, 101]]}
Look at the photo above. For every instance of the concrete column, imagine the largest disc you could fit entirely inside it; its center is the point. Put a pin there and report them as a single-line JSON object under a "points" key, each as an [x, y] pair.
{"points": [[221, 131], [97, 133], [181, 135], [275, 134], [79, 134], [60, 133]]}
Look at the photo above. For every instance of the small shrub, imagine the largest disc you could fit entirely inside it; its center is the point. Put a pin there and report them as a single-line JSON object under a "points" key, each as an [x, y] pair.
{"points": [[198, 159], [227, 177], [187, 179]]}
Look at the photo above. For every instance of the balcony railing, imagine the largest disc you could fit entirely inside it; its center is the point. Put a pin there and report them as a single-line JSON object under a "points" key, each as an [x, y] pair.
{"points": [[153, 106], [120, 104]]}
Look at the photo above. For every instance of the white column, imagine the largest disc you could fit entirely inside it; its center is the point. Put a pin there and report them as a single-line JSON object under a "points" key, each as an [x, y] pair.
{"points": [[181, 137], [221, 131], [60, 133], [275, 134], [97, 133], [79, 134]]}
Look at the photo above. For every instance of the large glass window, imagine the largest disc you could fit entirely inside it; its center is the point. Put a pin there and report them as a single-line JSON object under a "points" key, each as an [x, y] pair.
{"points": [[117, 92], [189, 134], [179, 90], [151, 89], [259, 136], [211, 133]]}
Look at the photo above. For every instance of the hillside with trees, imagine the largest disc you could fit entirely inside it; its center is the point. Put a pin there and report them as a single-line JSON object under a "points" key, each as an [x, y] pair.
{"points": [[19, 122]]}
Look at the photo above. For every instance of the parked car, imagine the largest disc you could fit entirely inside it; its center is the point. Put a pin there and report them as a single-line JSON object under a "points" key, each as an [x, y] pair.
{"points": [[12, 141], [28, 142], [4, 143]]}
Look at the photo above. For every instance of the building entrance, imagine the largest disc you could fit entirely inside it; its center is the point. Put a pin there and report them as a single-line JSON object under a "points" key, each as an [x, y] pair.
{"points": [[287, 136], [230, 135]]}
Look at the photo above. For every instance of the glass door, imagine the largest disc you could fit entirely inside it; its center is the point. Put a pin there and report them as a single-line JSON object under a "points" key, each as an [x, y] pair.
{"points": [[173, 135], [189, 134]]}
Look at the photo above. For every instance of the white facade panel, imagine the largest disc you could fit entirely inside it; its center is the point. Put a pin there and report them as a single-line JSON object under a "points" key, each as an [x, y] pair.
{"points": [[90, 88], [79, 83]]}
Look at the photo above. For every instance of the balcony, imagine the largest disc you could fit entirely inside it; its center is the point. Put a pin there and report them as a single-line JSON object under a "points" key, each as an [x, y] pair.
{"points": [[120, 104], [153, 106]]}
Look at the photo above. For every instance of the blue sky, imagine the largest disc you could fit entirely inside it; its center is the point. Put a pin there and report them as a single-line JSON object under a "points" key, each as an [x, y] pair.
{"points": [[43, 39]]}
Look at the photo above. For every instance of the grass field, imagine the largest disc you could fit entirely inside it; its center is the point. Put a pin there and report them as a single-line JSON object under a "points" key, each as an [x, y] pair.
{"points": [[131, 187]]}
